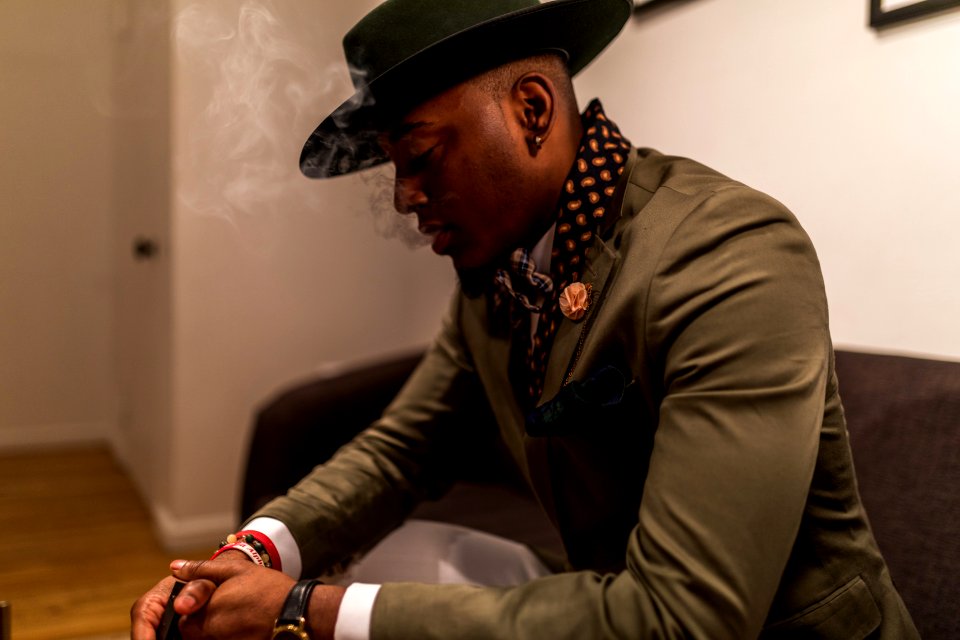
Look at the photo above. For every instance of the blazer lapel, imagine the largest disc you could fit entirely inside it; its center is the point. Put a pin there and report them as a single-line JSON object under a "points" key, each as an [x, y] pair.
{"points": [[570, 335], [601, 260]]}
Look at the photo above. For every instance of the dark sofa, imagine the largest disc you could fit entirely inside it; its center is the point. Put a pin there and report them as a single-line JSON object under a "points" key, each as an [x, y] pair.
{"points": [[903, 415]]}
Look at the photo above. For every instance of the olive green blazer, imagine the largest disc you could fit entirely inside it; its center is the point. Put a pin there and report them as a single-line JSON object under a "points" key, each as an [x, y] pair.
{"points": [[696, 464]]}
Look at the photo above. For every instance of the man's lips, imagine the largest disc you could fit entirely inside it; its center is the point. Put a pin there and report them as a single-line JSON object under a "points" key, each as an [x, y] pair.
{"points": [[430, 227], [442, 235]]}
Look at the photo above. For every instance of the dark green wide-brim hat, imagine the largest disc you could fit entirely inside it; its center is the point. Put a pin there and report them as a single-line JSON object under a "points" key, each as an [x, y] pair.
{"points": [[406, 51]]}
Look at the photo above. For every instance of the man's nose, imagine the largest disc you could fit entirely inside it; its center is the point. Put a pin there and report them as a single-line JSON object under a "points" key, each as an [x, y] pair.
{"points": [[408, 195]]}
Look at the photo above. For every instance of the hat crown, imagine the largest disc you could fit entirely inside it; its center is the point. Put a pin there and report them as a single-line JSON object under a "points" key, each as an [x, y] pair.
{"points": [[405, 51], [397, 29]]}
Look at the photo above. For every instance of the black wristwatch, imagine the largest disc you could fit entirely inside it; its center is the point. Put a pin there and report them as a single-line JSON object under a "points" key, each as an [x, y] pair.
{"points": [[292, 623]]}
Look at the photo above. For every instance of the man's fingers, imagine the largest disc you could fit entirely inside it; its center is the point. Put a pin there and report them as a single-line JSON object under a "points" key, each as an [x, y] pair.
{"points": [[141, 629], [217, 572], [194, 596], [143, 624], [145, 613]]}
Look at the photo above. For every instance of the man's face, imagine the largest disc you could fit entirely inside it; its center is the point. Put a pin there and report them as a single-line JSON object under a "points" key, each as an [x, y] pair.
{"points": [[461, 167]]}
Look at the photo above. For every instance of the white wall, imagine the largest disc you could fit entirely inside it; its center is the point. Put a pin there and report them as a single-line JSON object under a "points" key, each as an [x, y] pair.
{"points": [[275, 277], [140, 110], [182, 122], [857, 132], [57, 373]]}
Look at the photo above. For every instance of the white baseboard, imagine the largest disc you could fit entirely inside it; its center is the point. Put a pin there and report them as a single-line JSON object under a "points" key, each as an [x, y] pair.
{"points": [[26, 437], [191, 533]]}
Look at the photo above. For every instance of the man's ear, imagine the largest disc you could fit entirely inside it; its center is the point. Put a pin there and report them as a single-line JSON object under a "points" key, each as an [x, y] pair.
{"points": [[534, 103]]}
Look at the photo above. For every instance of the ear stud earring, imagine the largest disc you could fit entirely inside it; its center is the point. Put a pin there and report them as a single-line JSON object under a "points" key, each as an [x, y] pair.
{"points": [[538, 141]]}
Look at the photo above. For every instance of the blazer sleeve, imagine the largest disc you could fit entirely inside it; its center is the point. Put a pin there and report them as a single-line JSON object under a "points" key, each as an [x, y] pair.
{"points": [[731, 321], [370, 485]]}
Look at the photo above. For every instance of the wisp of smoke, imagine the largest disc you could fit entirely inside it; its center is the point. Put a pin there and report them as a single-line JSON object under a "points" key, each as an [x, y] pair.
{"points": [[263, 88]]}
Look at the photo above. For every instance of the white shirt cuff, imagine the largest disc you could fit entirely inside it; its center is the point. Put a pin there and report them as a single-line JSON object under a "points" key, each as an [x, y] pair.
{"points": [[356, 610], [283, 540]]}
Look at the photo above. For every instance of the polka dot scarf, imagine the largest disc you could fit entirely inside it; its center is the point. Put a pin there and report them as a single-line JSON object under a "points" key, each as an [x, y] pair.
{"points": [[587, 194]]}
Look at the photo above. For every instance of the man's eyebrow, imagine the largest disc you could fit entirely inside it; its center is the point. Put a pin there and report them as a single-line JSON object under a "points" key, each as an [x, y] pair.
{"points": [[405, 128]]}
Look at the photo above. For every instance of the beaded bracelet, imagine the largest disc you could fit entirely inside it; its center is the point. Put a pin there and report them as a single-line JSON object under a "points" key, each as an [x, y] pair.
{"points": [[243, 547], [268, 548], [254, 548]]}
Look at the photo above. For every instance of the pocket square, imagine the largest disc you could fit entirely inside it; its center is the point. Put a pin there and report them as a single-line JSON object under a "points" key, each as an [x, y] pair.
{"points": [[578, 403]]}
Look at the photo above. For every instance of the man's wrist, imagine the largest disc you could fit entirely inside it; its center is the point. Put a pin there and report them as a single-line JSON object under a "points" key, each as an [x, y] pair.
{"points": [[322, 612], [231, 554], [282, 540]]}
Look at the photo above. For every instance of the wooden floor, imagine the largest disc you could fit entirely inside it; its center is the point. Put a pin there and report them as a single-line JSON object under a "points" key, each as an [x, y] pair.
{"points": [[77, 545]]}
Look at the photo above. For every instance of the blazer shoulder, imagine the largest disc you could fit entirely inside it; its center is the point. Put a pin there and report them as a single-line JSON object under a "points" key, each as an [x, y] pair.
{"points": [[674, 187], [654, 170]]}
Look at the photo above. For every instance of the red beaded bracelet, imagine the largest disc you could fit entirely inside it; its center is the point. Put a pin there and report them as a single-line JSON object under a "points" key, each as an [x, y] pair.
{"points": [[269, 548], [256, 546], [244, 548]]}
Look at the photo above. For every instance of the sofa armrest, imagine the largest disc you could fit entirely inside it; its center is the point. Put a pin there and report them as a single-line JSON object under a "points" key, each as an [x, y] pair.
{"points": [[305, 425], [903, 414]]}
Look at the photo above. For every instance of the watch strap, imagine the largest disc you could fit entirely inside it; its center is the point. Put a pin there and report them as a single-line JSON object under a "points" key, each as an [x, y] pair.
{"points": [[294, 610]]}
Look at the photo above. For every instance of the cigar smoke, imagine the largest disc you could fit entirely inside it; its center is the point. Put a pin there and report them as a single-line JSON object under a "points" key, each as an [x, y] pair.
{"points": [[265, 91]]}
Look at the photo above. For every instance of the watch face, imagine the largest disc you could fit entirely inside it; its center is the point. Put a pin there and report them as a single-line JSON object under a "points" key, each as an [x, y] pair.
{"points": [[289, 632]]}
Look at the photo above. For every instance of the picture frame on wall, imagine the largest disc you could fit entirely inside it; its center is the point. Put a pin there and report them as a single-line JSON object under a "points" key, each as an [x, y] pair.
{"points": [[887, 12]]}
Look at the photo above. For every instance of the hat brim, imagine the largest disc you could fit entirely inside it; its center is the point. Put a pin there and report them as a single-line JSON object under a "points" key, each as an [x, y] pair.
{"points": [[346, 141]]}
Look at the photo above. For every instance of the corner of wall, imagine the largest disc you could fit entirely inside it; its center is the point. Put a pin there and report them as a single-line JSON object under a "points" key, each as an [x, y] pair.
{"points": [[190, 533]]}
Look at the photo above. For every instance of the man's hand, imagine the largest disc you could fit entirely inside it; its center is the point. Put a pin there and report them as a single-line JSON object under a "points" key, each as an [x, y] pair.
{"points": [[146, 612], [230, 598]]}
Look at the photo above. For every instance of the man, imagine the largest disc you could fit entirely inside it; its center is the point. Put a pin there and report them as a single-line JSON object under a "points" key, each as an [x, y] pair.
{"points": [[651, 337]]}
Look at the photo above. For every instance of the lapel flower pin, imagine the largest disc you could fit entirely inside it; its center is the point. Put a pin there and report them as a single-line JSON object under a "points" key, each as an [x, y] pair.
{"points": [[575, 300]]}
